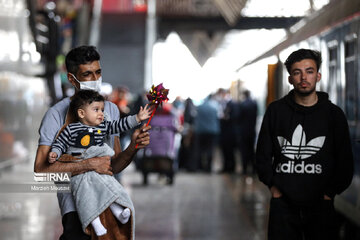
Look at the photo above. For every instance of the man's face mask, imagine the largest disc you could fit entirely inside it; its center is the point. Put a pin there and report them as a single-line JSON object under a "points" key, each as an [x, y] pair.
{"points": [[90, 85]]}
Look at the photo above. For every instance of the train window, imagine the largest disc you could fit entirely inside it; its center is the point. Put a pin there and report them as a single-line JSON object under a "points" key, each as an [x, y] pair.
{"points": [[334, 86], [351, 88], [350, 49], [333, 55]]}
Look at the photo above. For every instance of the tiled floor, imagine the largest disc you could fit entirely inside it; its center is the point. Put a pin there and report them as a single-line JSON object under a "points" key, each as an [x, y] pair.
{"points": [[200, 206]]}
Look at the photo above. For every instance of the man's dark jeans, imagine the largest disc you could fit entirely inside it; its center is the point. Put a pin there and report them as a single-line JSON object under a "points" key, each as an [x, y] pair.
{"points": [[287, 221], [72, 228]]}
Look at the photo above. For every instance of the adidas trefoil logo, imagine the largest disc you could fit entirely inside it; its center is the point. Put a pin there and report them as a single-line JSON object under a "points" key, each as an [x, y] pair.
{"points": [[298, 148]]}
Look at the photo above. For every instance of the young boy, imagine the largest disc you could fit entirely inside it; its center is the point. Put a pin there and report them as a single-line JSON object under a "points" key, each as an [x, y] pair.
{"points": [[84, 138]]}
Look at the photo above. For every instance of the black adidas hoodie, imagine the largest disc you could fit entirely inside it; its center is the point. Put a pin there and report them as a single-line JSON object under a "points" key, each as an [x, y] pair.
{"points": [[305, 151]]}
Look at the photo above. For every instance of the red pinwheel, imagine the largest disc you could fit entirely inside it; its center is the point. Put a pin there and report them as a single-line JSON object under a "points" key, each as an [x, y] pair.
{"points": [[157, 95]]}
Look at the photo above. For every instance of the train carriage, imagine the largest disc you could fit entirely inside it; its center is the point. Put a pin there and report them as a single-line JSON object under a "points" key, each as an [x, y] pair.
{"points": [[335, 31]]}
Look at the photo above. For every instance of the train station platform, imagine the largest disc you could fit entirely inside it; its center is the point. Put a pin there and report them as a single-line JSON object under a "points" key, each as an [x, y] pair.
{"points": [[197, 206]]}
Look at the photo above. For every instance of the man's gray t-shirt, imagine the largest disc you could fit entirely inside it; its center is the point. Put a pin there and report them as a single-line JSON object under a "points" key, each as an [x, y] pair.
{"points": [[52, 122]]}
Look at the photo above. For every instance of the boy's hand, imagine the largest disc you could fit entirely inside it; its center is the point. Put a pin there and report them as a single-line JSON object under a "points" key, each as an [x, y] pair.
{"points": [[144, 113], [52, 157]]}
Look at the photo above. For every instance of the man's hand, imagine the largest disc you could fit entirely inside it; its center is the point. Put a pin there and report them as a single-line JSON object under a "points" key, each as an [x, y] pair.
{"points": [[275, 192], [141, 137], [123, 159], [101, 165], [68, 163], [326, 197]]}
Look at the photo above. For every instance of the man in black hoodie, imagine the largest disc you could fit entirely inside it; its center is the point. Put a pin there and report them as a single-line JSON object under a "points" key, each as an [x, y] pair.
{"points": [[304, 155]]}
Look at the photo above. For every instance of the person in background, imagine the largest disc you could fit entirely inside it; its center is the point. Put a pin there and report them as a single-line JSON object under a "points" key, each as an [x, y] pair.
{"points": [[84, 72], [246, 119], [119, 97], [178, 104], [304, 155], [207, 129], [227, 133], [187, 140]]}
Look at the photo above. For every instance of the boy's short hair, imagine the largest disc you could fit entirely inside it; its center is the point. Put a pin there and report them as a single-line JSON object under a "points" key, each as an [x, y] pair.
{"points": [[302, 54], [82, 98], [80, 55]]}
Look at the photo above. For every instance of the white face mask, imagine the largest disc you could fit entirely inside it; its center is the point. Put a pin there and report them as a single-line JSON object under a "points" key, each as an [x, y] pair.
{"points": [[90, 85]]}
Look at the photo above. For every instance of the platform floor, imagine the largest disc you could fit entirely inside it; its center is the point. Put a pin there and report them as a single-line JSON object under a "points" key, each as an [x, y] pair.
{"points": [[197, 206]]}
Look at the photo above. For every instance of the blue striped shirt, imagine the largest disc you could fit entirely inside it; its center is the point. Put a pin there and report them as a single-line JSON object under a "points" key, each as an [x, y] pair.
{"points": [[79, 135]]}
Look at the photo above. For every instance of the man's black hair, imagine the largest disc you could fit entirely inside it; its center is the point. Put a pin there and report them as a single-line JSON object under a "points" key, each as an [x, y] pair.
{"points": [[80, 55], [302, 54], [246, 93], [82, 98]]}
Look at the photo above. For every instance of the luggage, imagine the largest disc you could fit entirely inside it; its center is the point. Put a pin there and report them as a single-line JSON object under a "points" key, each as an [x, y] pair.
{"points": [[160, 155]]}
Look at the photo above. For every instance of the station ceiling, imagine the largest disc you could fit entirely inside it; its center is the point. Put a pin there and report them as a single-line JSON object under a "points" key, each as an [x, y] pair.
{"points": [[202, 24], [230, 10], [212, 16]]}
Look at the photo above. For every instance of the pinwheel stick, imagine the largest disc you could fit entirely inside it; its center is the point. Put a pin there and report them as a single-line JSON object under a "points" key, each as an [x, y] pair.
{"points": [[152, 114]]}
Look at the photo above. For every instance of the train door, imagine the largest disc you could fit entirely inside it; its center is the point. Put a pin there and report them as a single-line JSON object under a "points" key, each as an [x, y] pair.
{"points": [[352, 101], [351, 89], [351, 198], [274, 86]]}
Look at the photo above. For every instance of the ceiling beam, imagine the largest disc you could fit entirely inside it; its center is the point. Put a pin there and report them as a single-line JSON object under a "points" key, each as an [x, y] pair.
{"points": [[230, 9], [214, 24]]}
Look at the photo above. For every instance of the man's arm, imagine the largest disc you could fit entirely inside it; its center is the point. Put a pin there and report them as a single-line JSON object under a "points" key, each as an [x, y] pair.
{"points": [[264, 152], [344, 161], [98, 164], [122, 159], [264, 155]]}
